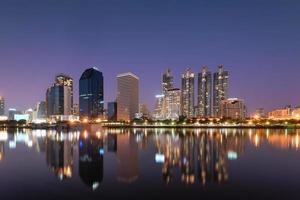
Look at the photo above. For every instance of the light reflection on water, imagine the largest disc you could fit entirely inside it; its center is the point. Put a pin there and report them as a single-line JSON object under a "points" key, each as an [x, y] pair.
{"points": [[185, 156]]}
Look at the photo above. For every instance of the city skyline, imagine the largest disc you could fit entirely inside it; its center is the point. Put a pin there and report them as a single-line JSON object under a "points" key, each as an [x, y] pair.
{"points": [[158, 99], [47, 41]]}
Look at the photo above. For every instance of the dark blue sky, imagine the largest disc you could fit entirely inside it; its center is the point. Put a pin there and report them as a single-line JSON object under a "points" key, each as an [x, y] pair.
{"points": [[258, 41]]}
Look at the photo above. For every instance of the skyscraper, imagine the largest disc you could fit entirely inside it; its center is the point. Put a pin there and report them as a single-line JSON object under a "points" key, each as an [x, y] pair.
{"points": [[91, 93], [112, 111], [167, 81], [173, 105], [65, 80], [58, 100], [159, 111], [2, 106], [204, 93], [41, 110], [220, 89], [127, 96], [59, 96], [187, 93]]}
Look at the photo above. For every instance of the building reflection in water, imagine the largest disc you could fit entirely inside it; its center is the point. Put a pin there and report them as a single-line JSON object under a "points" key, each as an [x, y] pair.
{"points": [[2, 152], [112, 145], [202, 155], [198, 156], [127, 158], [59, 155], [91, 152]]}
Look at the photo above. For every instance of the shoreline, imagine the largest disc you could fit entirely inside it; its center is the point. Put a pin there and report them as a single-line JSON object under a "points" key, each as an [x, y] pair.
{"points": [[82, 126]]}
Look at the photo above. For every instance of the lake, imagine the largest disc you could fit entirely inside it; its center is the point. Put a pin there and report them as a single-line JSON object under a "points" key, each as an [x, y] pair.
{"points": [[150, 164]]}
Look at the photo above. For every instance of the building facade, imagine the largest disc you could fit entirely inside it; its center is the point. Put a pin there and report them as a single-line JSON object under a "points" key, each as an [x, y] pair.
{"points": [[233, 108], [187, 94], [220, 89], [2, 106], [67, 81], [144, 111], [59, 96], [58, 100], [167, 81], [204, 93], [41, 110], [281, 113], [12, 112], [173, 103], [159, 111], [91, 93], [127, 96], [112, 111]]}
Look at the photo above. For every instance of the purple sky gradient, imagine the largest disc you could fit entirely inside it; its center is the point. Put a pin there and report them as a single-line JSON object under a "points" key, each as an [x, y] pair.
{"points": [[257, 41]]}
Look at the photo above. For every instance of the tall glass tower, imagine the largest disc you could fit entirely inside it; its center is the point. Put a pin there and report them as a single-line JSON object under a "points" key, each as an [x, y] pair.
{"points": [[204, 92], [187, 93], [91, 93], [167, 81], [220, 89], [59, 96]]}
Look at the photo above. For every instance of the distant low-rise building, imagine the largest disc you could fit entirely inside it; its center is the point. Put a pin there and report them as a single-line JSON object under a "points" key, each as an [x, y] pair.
{"points": [[19, 117], [144, 111], [296, 113], [233, 108], [12, 112], [260, 113], [281, 113]]}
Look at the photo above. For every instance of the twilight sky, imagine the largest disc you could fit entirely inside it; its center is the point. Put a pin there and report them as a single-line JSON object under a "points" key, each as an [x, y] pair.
{"points": [[258, 41]]}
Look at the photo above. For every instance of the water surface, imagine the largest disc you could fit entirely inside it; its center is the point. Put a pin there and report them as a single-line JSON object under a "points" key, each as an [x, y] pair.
{"points": [[150, 163]]}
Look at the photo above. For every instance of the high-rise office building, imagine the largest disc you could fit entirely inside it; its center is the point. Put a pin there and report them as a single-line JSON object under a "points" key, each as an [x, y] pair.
{"points": [[233, 108], [91, 93], [41, 110], [187, 93], [159, 111], [2, 106], [58, 100], [204, 93], [173, 105], [65, 80], [167, 81], [59, 96], [220, 89], [127, 96], [112, 111]]}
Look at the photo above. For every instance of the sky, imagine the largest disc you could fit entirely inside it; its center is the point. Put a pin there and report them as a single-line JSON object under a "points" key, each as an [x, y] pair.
{"points": [[257, 41]]}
